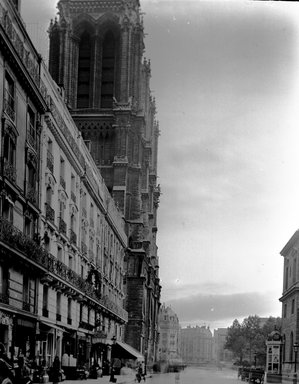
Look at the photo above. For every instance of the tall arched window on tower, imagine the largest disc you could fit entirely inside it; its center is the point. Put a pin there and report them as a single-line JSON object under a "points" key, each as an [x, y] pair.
{"points": [[84, 71], [108, 68]]}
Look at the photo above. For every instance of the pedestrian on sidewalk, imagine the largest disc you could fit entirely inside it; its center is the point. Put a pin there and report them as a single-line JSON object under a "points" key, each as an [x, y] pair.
{"points": [[56, 370]]}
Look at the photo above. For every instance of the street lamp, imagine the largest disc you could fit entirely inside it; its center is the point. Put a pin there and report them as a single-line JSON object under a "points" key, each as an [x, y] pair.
{"points": [[296, 346]]}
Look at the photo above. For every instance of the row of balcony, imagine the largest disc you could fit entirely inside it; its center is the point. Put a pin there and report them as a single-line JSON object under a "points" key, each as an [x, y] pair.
{"points": [[13, 237]]}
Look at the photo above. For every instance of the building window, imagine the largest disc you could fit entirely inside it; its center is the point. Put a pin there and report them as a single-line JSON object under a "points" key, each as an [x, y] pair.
{"points": [[45, 300], [9, 96], [4, 284], [9, 149], [84, 71], [29, 226], [70, 261], [59, 253], [69, 311], [50, 157], [58, 306], [50, 213], [73, 188], [285, 310], [31, 129], [91, 215], [62, 173], [26, 292], [293, 306], [31, 192], [9, 155], [7, 209], [81, 313]]}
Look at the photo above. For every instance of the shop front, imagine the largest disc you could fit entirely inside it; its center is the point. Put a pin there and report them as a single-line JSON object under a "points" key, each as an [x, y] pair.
{"points": [[100, 359], [24, 337]]}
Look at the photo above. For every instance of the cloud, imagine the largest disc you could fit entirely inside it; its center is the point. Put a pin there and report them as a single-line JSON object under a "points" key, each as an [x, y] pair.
{"points": [[205, 308]]}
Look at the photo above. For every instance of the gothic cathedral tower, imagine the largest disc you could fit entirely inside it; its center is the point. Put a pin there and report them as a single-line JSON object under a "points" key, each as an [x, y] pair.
{"points": [[96, 55]]}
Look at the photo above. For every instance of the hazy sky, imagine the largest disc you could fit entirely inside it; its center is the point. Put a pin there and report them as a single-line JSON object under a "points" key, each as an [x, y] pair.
{"points": [[225, 78]]}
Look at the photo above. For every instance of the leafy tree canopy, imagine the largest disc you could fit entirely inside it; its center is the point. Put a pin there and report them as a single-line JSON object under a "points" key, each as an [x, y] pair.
{"points": [[247, 340]]}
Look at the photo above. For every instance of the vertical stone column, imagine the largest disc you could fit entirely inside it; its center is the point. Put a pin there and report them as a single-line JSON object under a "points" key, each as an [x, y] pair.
{"points": [[124, 61]]}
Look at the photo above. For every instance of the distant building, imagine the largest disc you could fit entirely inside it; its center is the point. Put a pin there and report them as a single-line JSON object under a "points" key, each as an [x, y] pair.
{"points": [[196, 345], [220, 354], [170, 338], [290, 303]]}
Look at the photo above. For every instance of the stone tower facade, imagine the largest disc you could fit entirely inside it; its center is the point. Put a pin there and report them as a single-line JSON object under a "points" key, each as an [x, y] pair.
{"points": [[96, 55]]}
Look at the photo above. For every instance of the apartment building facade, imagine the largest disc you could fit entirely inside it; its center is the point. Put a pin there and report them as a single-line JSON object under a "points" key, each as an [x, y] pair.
{"points": [[170, 338], [62, 237], [197, 344]]}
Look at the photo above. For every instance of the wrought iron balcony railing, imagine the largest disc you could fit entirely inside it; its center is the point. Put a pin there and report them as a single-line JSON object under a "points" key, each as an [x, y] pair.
{"points": [[58, 317], [17, 240], [62, 226], [45, 312], [69, 321], [50, 213]]}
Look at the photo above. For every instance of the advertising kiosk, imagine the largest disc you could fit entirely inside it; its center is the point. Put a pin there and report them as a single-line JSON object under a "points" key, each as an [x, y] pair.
{"points": [[273, 363]]}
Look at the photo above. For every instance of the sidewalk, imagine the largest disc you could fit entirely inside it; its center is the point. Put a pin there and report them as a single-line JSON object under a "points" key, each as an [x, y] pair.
{"points": [[121, 379]]}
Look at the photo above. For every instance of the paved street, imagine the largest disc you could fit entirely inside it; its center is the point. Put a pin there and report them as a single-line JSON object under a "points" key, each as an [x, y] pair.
{"points": [[188, 376], [196, 375]]}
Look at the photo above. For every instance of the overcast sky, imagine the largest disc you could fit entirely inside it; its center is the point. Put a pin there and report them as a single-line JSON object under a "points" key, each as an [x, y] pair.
{"points": [[225, 79]]}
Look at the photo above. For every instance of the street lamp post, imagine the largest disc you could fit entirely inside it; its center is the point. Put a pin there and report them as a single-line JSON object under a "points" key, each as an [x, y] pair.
{"points": [[255, 356]]}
